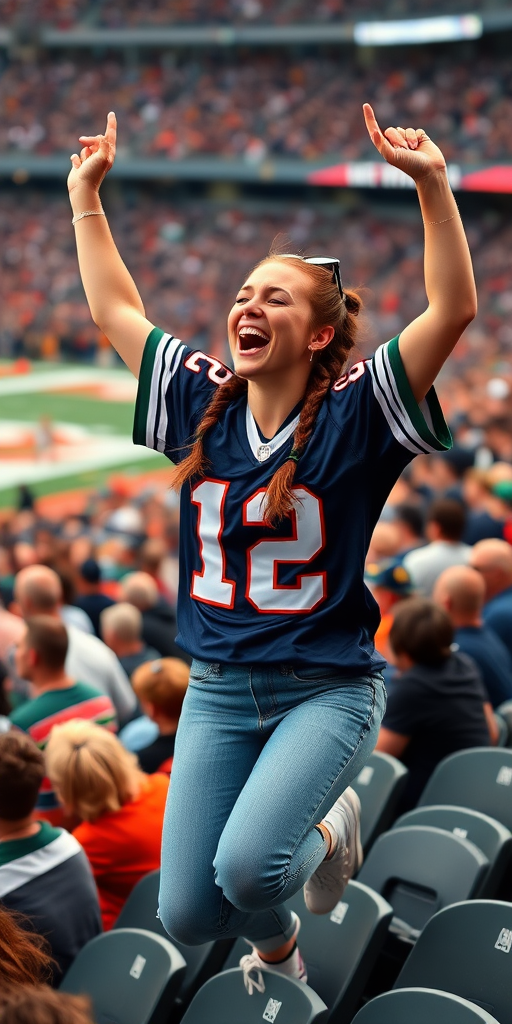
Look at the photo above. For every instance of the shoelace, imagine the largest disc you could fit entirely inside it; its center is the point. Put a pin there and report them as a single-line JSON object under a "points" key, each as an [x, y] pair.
{"points": [[252, 964]]}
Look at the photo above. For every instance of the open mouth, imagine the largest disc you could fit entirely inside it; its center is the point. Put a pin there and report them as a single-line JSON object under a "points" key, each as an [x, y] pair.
{"points": [[252, 339]]}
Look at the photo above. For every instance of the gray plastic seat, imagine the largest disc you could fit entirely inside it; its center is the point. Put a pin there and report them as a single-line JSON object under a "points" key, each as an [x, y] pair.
{"points": [[480, 778], [503, 729], [140, 911], [422, 1006], [379, 786], [505, 711], [131, 976], [466, 949], [420, 869], [224, 1000], [493, 838], [339, 949]]}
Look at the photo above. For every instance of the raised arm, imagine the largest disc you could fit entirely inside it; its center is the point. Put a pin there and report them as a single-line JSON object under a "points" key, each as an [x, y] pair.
{"points": [[115, 304], [427, 342]]}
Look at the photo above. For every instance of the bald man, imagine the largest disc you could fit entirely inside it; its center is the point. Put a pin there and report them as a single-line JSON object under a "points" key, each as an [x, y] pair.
{"points": [[460, 590], [158, 619], [492, 558], [38, 591]]}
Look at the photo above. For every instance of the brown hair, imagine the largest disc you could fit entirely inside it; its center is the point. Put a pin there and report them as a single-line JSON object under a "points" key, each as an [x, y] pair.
{"points": [[21, 774], [49, 638], [90, 769], [328, 308], [24, 956], [40, 1004], [422, 630], [163, 683], [449, 515]]}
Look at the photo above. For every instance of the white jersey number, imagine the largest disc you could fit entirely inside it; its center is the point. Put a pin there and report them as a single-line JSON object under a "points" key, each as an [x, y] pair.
{"points": [[263, 558]]}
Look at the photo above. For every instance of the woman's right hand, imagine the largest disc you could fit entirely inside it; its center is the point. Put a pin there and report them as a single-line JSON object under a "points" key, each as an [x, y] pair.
{"points": [[95, 159]]}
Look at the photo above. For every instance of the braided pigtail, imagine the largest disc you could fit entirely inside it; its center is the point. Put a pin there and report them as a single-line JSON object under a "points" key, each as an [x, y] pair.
{"points": [[196, 463]]}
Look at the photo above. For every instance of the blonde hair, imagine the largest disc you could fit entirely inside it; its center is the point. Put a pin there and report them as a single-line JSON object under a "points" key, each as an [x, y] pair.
{"points": [[90, 769], [328, 308], [163, 683]]}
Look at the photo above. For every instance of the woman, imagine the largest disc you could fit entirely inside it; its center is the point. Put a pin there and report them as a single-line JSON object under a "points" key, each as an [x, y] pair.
{"points": [[25, 956], [122, 809], [284, 466]]}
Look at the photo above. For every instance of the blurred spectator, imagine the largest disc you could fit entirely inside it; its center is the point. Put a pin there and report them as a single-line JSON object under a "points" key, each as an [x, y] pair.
{"points": [[158, 620], [41, 1005], [460, 590], [90, 597], [439, 704], [493, 560], [385, 542], [41, 658], [38, 591], [11, 629], [69, 613], [121, 809], [484, 516], [121, 627], [389, 583], [444, 528], [409, 520], [161, 687], [25, 957], [154, 559], [44, 872]]}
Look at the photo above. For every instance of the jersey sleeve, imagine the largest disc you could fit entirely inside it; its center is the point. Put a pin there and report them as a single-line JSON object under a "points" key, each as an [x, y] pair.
{"points": [[175, 386], [419, 427]]}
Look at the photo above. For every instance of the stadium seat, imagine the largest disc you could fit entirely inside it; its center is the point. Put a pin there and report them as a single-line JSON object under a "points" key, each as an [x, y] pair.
{"points": [[493, 838], [140, 911], [379, 787], [339, 949], [466, 949], [422, 1006], [480, 778], [131, 976], [503, 730], [224, 1000], [505, 711], [420, 869]]}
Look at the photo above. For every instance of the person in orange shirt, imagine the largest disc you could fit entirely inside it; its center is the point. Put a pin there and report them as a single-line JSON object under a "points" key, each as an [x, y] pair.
{"points": [[121, 808], [389, 583]]}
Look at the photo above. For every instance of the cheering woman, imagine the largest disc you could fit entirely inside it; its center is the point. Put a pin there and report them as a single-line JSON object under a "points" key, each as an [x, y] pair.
{"points": [[284, 464]]}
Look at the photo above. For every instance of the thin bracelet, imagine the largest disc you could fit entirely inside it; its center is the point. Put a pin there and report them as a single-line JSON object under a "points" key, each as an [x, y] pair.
{"points": [[88, 213], [445, 221]]}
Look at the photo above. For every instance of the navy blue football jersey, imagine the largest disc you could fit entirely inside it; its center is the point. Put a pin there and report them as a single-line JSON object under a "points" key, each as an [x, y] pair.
{"points": [[295, 594]]}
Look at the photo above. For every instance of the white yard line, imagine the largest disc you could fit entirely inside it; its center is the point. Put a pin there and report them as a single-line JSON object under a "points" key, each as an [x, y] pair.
{"points": [[59, 378], [110, 452]]}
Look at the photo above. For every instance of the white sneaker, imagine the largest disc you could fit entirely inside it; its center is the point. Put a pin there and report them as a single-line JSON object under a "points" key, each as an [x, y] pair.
{"points": [[292, 967], [327, 884]]}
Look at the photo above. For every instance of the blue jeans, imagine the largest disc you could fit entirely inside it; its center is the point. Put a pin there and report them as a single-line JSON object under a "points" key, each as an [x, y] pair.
{"points": [[261, 755]]}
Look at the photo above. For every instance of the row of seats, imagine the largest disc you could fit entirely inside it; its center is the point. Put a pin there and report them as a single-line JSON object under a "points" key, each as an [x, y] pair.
{"points": [[440, 854]]}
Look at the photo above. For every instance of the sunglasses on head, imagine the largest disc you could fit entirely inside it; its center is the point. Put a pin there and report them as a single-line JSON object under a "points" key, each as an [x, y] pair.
{"points": [[329, 262]]}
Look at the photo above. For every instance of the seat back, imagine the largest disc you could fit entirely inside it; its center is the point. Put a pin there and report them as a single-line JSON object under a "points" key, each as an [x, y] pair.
{"points": [[131, 976], [480, 778], [466, 949], [421, 1006], [491, 837], [140, 911], [420, 869], [379, 787], [505, 711], [339, 949], [224, 1000]]}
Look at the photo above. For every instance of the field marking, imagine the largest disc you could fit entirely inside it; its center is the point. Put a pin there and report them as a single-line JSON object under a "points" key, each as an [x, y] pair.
{"points": [[49, 380], [110, 452]]}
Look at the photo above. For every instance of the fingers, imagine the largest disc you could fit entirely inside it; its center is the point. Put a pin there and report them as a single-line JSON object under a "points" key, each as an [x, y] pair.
{"points": [[371, 124], [75, 160], [397, 137], [111, 129]]}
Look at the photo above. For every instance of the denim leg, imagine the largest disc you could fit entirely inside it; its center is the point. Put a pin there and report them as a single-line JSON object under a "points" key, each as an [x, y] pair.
{"points": [[259, 760]]}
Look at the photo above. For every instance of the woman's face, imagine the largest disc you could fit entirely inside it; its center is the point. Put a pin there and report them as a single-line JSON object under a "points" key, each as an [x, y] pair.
{"points": [[269, 326]]}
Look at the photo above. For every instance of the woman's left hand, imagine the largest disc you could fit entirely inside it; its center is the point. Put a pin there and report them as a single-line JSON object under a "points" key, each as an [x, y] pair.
{"points": [[410, 149]]}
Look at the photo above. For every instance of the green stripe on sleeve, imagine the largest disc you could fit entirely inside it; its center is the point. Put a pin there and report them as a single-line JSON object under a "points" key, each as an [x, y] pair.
{"points": [[144, 386], [441, 439]]}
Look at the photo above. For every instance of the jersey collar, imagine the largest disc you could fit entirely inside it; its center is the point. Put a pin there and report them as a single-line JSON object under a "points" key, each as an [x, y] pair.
{"points": [[263, 450]]}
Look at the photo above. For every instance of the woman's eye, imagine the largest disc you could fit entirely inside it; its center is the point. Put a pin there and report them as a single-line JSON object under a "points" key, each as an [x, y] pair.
{"points": [[240, 300]]}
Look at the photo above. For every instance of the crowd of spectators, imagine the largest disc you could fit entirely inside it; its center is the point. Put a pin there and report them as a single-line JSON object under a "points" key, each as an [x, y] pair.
{"points": [[66, 14], [189, 257], [258, 104]]}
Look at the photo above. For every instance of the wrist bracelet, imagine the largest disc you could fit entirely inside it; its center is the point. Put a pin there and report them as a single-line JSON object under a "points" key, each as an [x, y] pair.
{"points": [[445, 221], [88, 213]]}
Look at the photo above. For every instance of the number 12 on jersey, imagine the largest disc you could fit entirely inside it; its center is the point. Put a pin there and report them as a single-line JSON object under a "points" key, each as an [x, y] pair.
{"points": [[263, 590]]}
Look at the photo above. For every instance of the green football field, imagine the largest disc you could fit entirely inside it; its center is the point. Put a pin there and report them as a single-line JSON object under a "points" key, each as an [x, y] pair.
{"points": [[66, 427]]}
